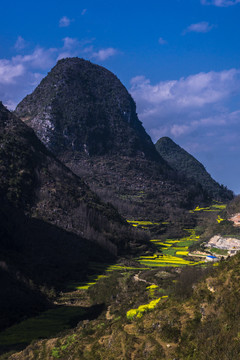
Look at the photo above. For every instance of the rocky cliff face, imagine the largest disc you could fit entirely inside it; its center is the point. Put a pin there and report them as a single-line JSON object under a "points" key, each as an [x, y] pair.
{"points": [[186, 165]]}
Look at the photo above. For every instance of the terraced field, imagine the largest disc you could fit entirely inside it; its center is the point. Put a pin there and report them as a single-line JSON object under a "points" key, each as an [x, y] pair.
{"points": [[215, 207], [172, 252]]}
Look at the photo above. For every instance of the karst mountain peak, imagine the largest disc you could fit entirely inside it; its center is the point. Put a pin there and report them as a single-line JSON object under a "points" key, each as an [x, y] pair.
{"points": [[83, 107]]}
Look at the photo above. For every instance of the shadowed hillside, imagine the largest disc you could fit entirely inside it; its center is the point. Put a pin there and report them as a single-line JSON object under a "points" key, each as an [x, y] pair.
{"points": [[51, 223], [36, 182]]}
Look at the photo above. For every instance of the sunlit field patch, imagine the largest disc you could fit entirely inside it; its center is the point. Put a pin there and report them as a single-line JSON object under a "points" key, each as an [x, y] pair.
{"points": [[151, 289], [217, 206], [92, 281], [167, 260], [185, 253], [85, 287], [174, 252], [172, 241], [138, 313], [143, 223], [121, 267], [219, 219]]}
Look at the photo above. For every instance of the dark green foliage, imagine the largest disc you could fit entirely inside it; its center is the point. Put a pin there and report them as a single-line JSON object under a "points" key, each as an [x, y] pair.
{"points": [[170, 332], [189, 276]]}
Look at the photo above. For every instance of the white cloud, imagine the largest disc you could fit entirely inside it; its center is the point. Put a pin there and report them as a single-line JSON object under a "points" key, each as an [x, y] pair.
{"points": [[10, 105], [13, 91], [84, 12], [104, 54], [183, 106], [177, 130], [71, 47], [201, 27], [214, 121], [9, 71], [161, 41], [20, 74], [194, 91], [74, 47], [40, 58], [64, 21], [20, 44], [70, 43], [220, 3]]}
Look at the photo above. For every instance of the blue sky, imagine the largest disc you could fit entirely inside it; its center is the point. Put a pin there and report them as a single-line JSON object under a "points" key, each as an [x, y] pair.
{"points": [[180, 59]]}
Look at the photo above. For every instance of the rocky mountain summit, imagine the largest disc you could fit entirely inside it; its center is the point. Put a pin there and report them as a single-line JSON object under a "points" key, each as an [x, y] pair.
{"points": [[186, 165], [86, 117], [83, 107]]}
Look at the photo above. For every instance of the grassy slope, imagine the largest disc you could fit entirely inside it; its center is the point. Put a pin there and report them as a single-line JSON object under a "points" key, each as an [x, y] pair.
{"points": [[200, 323]]}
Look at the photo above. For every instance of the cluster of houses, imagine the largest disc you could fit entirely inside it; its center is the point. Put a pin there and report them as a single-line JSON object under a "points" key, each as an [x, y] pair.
{"points": [[232, 245], [229, 245]]}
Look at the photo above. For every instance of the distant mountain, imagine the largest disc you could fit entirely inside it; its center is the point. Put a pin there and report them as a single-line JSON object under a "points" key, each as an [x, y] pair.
{"points": [[86, 117], [186, 165]]}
